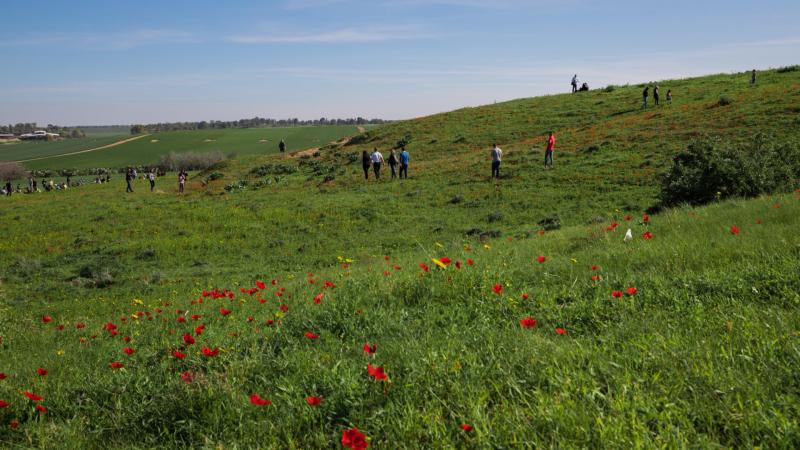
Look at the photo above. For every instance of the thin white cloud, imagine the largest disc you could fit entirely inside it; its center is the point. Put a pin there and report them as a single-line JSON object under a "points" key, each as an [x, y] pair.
{"points": [[345, 35], [111, 40]]}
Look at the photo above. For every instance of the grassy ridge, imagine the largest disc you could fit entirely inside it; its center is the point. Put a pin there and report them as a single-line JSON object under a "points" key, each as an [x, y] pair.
{"points": [[702, 355]]}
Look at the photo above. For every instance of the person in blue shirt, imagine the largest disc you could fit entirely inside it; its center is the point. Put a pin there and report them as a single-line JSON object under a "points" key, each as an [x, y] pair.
{"points": [[404, 163]]}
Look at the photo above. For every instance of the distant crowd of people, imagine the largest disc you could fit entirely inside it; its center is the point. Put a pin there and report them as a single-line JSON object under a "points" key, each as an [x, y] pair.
{"points": [[46, 185]]}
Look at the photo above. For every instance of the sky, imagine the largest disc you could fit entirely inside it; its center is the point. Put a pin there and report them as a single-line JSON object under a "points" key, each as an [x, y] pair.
{"points": [[103, 62]]}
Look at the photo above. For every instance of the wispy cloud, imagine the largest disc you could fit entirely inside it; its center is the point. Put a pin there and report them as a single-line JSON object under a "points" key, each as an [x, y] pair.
{"points": [[344, 35], [111, 40]]}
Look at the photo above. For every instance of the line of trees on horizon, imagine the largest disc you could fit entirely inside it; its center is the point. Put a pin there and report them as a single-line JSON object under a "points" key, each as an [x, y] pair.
{"points": [[256, 122], [30, 127]]}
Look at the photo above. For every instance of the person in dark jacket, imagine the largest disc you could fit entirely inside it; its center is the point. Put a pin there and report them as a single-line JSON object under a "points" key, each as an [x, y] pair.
{"points": [[393, 164], [645, 94], [128, 178], [366, 163]]}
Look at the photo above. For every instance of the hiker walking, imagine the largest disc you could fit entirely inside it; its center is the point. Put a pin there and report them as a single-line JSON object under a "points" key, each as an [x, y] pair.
{"points": [[403, 163], [366, 162], [181, 181], [669, 97], [753, 78], [152, 177], [128, 177], [282, 146], [393, 164], [575, 83], [645, 94], [655, 95], [497, 157], [377, 160], [548, 153], [9, 189]]}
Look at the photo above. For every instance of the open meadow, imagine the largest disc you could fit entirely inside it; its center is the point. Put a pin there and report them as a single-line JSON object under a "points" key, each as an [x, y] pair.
{"points": [[286, 300]]}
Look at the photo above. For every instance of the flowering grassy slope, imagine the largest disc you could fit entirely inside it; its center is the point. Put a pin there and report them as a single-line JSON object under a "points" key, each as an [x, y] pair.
{"points": [[147, 318]]}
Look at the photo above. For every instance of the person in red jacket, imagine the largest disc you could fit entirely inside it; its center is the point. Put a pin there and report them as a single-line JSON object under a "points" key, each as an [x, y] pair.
{"points": [[548, 153]]}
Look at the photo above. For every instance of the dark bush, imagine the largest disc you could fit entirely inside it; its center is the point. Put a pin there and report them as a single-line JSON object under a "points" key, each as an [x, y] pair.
{"points": [[550, 223], [709, 167], [788, 69]]}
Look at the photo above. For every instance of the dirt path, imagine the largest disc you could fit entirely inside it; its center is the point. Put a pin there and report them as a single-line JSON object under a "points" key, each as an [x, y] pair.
{"points": [[124, 141], [311, 151]]}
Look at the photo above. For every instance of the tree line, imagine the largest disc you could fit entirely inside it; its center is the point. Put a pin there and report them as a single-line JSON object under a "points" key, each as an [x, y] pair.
{"points": [[255, 122], [30, 127]]}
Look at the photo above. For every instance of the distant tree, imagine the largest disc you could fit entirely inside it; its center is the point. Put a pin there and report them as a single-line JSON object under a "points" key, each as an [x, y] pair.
{"points": [[138, 129], [10, 171]]}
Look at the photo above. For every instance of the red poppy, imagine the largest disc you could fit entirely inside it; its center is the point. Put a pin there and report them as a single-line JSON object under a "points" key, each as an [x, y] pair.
{"points": [[116, 365], [313, 401], [376, 372], [126, 339], [110, 326], [540, 259], [47, 319], [261, 285], [424, 267], [284, 307], [3, 404], [3, 376], [318, 298], [525, 296], [370, 349], [181, 319], [595, 267], [196, 317], [445, 260], [595, 277], [224, 311], [470, 262], [561, 331], [734, 229], [458, 264], [128, 351], [632, 291], [498, 289], [41, 409], [33, 397], [466, 427], [647, 235], [14, 424], [188, 339], [178, 354], [646, 218], [311, 335], [60, 327], [208, 353], [187, 377], [198, 330], [42, 372], [256, 400], [528, 322], [354, 439], [616, 294]]}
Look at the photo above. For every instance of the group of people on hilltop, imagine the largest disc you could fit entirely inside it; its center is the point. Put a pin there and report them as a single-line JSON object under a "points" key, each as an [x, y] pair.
{"points": [[584, 87], [375, 161], [131, 175], [656, 96]]}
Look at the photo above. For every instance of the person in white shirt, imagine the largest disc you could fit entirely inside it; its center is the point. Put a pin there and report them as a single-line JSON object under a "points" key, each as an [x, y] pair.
{"points": [[497, 156], [377, 160], [152, 177]]}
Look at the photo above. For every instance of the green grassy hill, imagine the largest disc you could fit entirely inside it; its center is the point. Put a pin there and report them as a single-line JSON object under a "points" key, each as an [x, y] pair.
{"points": [[686, 339]]}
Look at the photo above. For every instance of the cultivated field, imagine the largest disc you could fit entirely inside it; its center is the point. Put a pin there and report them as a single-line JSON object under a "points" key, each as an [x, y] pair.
{"points": [[442, 311]]}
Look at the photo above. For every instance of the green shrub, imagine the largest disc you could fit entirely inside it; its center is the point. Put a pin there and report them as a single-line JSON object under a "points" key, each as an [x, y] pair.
{"points": [[711, 169], [724, 100], [550, 223], [788, 69], [273, 169]]}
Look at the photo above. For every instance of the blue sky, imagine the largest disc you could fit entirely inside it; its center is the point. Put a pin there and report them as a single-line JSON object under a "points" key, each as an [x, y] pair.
{"points": [[114, 62]]}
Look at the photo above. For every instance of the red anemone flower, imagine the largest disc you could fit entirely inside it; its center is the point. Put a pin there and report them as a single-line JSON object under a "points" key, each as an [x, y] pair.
{"points": [[354, 439], [458, 264], [224, 311], [631, 291], [540, 259], [3, 376], [128, 351], [370, 349], [318, 299], [498, 289], [198, 330], [261, 285], [466, 427], [424, 267], [3, 404], [116, 365], [595, 277], [646, 218], [311, 335], [647, 235], [525, 296], [256, 400], [376, 372], [47, 319], [560, 331], [470, 262], [42, 372], [734, 229], [187, 377], [595, 267], [445, 260], [41, 409], [528, 322], [616, 294], [33, 397], [178, 354], [313, 400], [14, 424], [188, 339], [208, 353]]}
